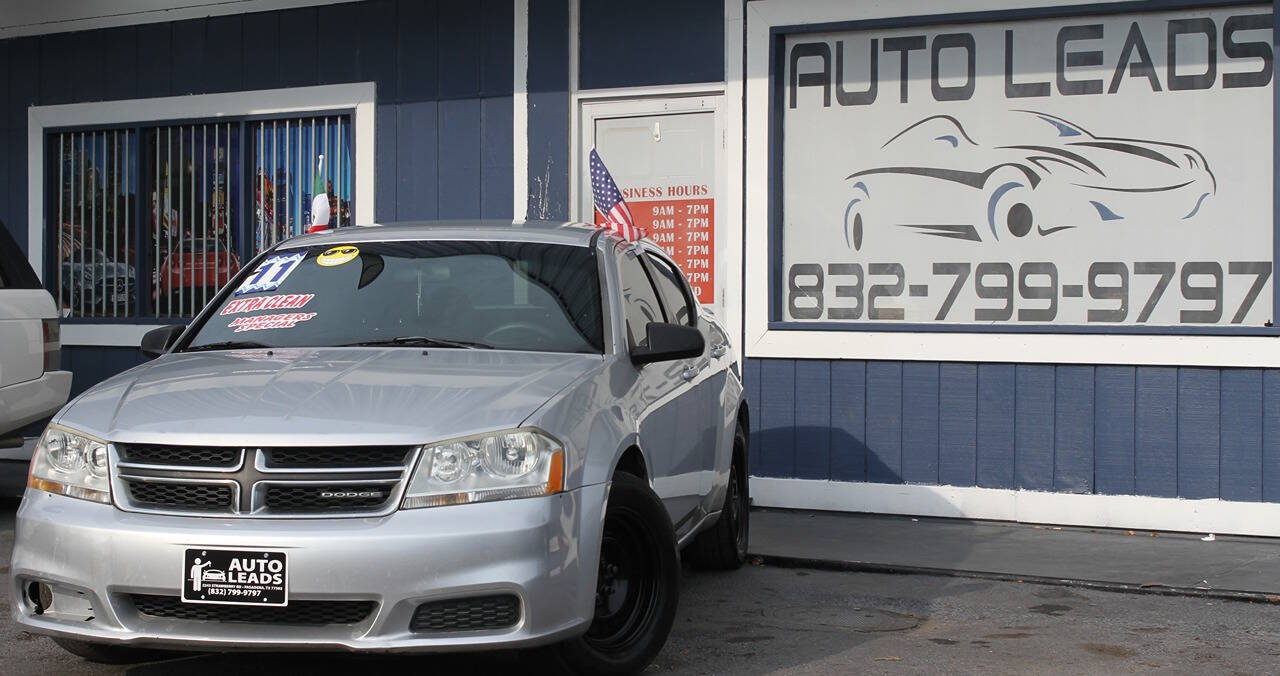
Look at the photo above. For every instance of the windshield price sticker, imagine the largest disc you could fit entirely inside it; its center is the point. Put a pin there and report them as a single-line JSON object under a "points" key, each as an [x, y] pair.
{"points": [[1108, 170], [265, 322], [235, 577], [271, 273], [284, 301]]}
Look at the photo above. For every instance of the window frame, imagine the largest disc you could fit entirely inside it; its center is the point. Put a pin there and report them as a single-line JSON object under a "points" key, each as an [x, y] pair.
{"points": [[681, 282], [622, 294], [358, 99]]}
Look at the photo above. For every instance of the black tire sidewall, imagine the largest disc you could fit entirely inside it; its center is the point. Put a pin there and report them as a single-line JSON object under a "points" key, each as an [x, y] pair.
{"points": [[632, 494], [744, 492]]}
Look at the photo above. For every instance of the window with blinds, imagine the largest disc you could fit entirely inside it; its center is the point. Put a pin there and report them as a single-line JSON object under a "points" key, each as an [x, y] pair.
{"points": [[147, 222]]}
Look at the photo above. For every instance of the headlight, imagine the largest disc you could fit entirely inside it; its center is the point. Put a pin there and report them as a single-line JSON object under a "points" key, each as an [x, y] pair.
{"points": [[498, 466], [70, 463]]}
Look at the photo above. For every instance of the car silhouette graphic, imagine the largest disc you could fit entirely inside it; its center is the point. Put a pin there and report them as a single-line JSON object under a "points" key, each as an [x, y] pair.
{"points": [[1054, 176], [214, 575]]}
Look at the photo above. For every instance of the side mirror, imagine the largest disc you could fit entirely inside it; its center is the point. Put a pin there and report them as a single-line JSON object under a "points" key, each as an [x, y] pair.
{"points": [[158, 341], [668, 342]]}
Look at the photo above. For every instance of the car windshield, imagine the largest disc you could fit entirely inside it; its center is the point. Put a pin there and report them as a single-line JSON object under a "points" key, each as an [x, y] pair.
{"points": [[465, 294], [200, 246]]}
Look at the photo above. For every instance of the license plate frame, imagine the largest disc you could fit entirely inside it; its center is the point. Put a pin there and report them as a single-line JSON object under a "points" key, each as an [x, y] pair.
{"points": [[237, 577]]}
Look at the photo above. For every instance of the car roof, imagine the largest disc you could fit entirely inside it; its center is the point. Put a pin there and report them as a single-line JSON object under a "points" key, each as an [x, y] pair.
{"points": [[548, 232]]}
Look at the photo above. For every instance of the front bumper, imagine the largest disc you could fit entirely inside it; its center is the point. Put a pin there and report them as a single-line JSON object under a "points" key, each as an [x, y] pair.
{"points": [[543, 550]]}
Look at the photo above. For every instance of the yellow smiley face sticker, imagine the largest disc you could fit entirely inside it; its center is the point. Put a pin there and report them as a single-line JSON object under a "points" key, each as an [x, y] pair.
{"points": [[337, 255]]}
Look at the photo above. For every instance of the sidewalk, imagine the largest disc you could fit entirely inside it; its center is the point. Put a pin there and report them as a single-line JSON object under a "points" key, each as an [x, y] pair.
{"points": [[1239, 568]]}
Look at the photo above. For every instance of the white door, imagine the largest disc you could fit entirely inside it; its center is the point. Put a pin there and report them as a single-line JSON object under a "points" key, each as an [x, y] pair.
{"points": [[667, 157]]}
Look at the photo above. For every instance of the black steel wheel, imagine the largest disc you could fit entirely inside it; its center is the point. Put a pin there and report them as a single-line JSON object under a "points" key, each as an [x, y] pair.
{"points": [[637, 587], [724, 545]]}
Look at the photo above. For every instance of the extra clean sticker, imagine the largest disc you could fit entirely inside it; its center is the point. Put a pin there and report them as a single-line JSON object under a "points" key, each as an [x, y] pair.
{"points": [[265, 322], [284, 301], [271, 273], [337, 255]]}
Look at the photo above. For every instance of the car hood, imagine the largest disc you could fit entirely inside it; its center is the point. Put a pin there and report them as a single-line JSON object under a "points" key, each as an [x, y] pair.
{"points": [[323, 396], [94, 271]]}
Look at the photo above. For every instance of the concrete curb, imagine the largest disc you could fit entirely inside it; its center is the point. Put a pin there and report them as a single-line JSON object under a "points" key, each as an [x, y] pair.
{"points": [[1100, 585]]}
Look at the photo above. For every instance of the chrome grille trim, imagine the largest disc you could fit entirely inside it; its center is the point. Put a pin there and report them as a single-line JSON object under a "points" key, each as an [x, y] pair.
{"points": [[250, 479]]}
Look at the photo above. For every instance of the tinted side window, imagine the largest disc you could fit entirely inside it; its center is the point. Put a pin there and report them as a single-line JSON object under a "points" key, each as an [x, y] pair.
{"points": [[640, 299], [15, 272], [674, 296]]}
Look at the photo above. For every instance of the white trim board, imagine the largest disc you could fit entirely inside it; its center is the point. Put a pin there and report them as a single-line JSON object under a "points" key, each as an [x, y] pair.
{"points": [[361, 97], [520, 113], [37, 18], [1063, 509], [1052, 348]]}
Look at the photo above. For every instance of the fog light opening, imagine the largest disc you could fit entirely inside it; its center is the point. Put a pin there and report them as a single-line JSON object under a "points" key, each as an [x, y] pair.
{"points": [[41, 597]]}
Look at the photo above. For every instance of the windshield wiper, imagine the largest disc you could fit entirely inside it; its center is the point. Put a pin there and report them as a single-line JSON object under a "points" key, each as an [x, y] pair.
{"points": [[421, 341], [225, 345]]}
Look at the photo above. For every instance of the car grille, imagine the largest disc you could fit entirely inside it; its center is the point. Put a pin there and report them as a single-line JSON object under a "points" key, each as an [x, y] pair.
{"points": [[260, 482], [180, 455], [376, 456], [313, 613], [194, 497], [469, 614], [324, 498]]}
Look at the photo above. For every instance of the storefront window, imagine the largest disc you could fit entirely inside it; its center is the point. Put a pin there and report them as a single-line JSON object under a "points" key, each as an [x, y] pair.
{"points": [[92, 228], [150, 221]]}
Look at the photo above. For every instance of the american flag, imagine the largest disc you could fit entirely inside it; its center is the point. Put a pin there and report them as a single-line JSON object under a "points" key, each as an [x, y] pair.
{"points": [[610, 205]]}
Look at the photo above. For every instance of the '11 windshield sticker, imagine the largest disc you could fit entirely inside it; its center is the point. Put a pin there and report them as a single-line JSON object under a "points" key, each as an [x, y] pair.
{"points": [[271, 273]]}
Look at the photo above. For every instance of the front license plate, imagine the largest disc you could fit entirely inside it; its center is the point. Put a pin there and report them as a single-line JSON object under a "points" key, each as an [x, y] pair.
{"points": [[235, 576]]}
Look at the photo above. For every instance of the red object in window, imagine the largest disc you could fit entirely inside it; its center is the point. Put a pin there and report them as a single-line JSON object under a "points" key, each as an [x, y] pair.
{"points": [[194, 265], [317, 228]]}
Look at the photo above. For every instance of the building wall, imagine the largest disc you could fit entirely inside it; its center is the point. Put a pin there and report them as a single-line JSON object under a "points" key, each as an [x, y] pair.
{"points": [[665, 42], [443, 72], [1109, 430], [1162, 429]]}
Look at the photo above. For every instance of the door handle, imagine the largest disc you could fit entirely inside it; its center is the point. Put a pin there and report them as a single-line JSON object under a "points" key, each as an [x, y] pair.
{"points": [[688, 374], [719, 350]]}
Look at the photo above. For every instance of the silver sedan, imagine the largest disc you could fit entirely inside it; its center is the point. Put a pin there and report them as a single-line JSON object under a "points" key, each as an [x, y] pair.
{"points": [[399, 438]]}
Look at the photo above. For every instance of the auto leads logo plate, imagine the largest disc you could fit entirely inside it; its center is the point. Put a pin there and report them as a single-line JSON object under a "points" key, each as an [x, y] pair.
{"points": [[235, 577]]}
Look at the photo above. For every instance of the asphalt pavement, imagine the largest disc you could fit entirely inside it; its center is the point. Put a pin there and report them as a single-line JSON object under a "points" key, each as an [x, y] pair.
{"points": [[771, 620]]}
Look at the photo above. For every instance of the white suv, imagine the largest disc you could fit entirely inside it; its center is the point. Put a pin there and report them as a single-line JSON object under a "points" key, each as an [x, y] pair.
{"points": [[32, 386]]}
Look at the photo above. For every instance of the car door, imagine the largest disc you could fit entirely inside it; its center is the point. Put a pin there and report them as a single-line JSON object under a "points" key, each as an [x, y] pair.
{"points": [[660, 391], [700, 420]]}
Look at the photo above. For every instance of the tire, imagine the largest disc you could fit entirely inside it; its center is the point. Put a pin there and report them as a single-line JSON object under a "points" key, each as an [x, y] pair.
{"points": [[724, 545], [638, 586], [110, 654]]}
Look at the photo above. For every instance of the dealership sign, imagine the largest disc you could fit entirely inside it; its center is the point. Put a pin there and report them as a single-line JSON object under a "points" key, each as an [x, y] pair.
{"points": [[1101, 171]]}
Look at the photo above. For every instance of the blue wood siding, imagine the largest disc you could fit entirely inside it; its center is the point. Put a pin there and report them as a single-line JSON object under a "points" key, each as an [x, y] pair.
{"points": [[996, 430], [92, 365], [548, 91], [848, 450], [1188, 432], [680, 41], [443, 70], [957, 424], [1114, 429]]}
